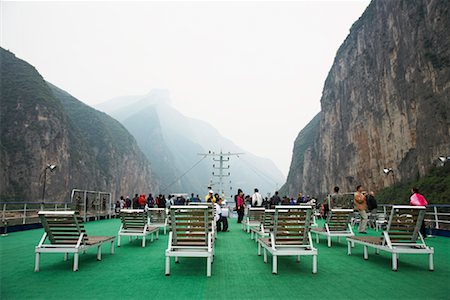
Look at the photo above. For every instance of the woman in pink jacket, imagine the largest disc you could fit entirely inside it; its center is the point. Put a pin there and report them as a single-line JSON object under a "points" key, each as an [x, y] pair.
{"points": [[240, 205], [418, 200]]}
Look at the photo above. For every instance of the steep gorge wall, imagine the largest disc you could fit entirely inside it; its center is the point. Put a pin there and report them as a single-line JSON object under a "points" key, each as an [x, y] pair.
{"points": [[385, 102], [41, 124]]}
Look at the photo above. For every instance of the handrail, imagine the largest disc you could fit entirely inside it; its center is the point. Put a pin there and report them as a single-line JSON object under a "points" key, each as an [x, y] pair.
{"points": [[435, 215]]}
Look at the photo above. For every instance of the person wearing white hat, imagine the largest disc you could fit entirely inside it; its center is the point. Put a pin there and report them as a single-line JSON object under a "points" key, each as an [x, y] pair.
{"points": [[210, 197]]}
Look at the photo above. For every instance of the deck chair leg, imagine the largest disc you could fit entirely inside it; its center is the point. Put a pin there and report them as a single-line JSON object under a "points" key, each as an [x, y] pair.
{"points": [[394, 262], [329, 241], [274, 264], [157, 235], [377, 251], [265, 255], [66, 256], [251, 235], [99, 252], [208, 266], [167, 265], [259, 249], [75, 261], [317, 239], [36, 264], [339, 239], [430, 262], [112, 247], [151, 238], [366, 252], [118, 240], [177, 260], [298, 258], [143, 241], [314, 270], [349, 248]]}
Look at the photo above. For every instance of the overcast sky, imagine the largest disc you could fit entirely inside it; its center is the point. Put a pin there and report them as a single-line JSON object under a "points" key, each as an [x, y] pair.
{"points": [[254, 70]]}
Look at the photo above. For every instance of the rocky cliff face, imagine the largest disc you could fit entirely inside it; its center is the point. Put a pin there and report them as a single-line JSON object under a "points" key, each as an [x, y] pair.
{"points": [[385, 102], [42, 124]]}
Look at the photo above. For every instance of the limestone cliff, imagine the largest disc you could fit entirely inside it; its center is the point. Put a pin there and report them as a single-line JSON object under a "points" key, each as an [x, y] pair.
{"points": [[42, 124], [385, 102]]}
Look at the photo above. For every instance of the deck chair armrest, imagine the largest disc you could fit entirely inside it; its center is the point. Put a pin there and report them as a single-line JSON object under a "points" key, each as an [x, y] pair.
{"points": [[80, 240], [272, 240], [210, 237], [44, 237], [169, 246], [387, 239]]}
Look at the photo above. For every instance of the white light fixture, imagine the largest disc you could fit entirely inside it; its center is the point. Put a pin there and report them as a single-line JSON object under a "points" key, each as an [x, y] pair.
{"points": [[387, 171], [444, 159]]}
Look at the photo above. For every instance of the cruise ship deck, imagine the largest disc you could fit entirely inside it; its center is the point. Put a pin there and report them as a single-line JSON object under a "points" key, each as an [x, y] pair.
{"points": [[238, 272]]}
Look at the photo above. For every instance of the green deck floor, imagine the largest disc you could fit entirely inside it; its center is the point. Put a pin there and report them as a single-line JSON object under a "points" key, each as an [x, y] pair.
{"points": [[238, 272]]}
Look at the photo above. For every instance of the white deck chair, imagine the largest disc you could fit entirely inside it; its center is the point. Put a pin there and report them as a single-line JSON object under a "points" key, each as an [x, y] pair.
{"points": [[158, 218], [266, 226], [191, 235], [65, 233], [290, 236], [135, 223], [253, 218], [337, 225], [402, 235]]}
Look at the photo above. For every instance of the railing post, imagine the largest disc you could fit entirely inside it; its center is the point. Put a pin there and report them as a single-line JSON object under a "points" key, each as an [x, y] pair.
{"points": [[24, 213], [4, 212], [436, 217]]}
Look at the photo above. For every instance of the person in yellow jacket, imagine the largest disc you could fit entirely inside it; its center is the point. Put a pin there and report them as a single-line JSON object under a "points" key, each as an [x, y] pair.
{"points": [[210, 197]]}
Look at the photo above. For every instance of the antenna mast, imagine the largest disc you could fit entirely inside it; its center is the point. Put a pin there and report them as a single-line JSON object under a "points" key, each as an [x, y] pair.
{"points": [[224, 164]]}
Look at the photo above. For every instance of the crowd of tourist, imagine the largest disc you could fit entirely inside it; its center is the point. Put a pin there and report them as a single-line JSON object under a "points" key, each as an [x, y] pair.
{"points": [[364, 203]]}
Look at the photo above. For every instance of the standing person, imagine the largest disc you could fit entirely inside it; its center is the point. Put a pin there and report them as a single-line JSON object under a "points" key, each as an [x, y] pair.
{"points": [[161, 201], [128, 202], [135, 203], [372, 208], [240, 205], [361, 206], [299, 198], [121, 202], [336, 199], [418, 200], [150, 201], [275, 200], [210, 197], [142, 201], [221, 220], [257, 199]]}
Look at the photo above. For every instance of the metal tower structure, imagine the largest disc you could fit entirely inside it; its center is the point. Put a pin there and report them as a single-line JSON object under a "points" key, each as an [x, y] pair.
{"points": [[223, 158]]}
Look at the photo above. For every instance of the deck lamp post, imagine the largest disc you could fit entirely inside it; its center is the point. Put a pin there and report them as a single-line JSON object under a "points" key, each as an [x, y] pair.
{"points": [[52, 168]]}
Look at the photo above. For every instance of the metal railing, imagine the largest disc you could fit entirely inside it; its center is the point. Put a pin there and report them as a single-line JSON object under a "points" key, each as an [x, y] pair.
{"points": [[437, 216], [20, 213]]}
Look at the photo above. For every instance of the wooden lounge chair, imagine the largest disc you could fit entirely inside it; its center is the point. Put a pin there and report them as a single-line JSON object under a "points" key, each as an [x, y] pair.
{"points": [[158, 218], [253, 218], [401, 236], [337, 224], [65, 233], [191, 235], [135, 223], [290, 236], [266, 225]]}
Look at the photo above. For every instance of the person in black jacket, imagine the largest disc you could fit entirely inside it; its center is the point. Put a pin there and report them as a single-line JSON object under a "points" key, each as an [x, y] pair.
{"points": [[372, 208], [275, 200]]}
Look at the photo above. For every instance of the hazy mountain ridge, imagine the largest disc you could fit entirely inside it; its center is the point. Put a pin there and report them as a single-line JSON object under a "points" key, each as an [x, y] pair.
{"points": [[385, 102], [186, 137], [43, 124]]}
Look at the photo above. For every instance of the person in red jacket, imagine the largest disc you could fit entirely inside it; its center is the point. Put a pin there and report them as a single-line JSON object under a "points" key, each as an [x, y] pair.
{"points": [[240, 205], [142, 201], [418, 200]]}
